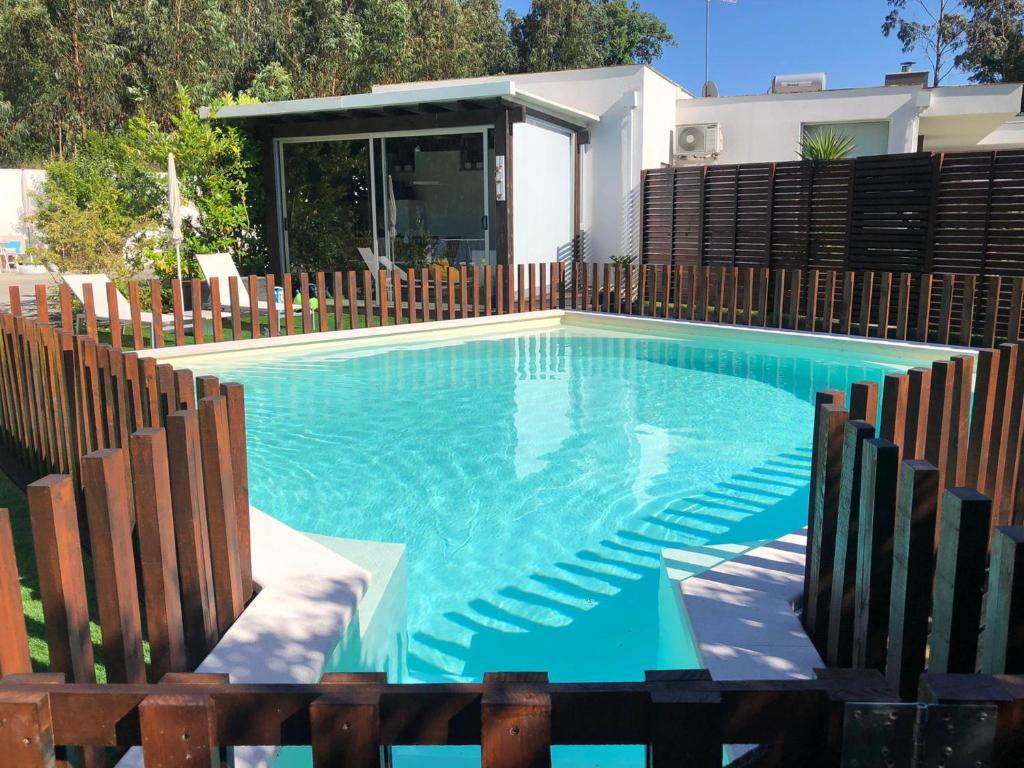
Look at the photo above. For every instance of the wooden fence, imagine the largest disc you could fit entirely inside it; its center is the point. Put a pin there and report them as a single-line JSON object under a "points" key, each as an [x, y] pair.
{"points": [[912, 502], [946, 309], [919, 213], [682, 718], [149, 455]]}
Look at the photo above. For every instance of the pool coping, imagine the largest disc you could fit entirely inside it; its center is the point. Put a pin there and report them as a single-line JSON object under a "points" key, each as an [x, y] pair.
{"points": [[307, 600], [916, 351]]}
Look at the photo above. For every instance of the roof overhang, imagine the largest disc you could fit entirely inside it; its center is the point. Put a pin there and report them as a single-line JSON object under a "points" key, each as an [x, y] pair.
{"points": [[446, 98]]}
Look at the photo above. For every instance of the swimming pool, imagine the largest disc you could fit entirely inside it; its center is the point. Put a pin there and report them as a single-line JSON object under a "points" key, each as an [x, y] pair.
{"points": [[535, 476]]}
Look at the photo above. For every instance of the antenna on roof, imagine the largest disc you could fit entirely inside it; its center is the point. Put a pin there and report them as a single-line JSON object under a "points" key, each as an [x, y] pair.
{"points": [[707, 41]]}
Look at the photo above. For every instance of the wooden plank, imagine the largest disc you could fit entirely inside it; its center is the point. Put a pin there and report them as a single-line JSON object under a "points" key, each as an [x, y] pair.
{"points": [[345, 728], [884, 303], [67, 318], [185, 390], [510, 287], [304, 303], [89, 305], [842, 602], [1016, 302], [913, 566], [321, 301], [58, 555], [26, 732], [383, 307], [532, 277], [499, 290], [1003, 644], [289, 303], [811, 310], [521, 289], [867, 286], [864, 402], [999, 454], [895, 392], [157, 557], [177, 308], [941, 430], [218, 482], [946, 308], [829, 306], [438, 286], [924, 307], [396, 291], [982, 416], [903, 308], [515, 724], [138, 339], [489, 289], [967, 309], [959, 581], [629, 290], [762, 298], [14, 658], [956, 459], [476, 289], [919, 391], [235, 396], [235, 297], [198, 609], [178, 731], [108, 510], [846, 310], [451, 291], [828, 473], [993, 290], [875, 531], [339, 303], [685, 729], [217, 319], [252, 288], [353, 312], [779, 296], [198, 324], [607, 293]]}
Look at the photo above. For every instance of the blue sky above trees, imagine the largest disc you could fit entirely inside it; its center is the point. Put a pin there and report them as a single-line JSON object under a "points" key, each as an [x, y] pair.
{"points": [[754, 39]]}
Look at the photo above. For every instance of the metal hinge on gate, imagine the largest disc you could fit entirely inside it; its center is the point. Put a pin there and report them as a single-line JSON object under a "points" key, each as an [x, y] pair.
{"points": [[918, 735]]}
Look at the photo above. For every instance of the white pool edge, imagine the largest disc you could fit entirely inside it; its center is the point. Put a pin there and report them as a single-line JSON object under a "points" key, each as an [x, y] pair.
{"points": [[909, 353], [307, 600]]}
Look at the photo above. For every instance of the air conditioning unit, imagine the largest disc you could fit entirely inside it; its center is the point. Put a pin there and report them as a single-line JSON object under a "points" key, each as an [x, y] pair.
{"points": [[701, 140]]}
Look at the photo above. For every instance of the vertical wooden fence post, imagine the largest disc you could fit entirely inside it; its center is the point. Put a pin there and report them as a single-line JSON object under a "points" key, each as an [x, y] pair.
{"points": [[157, 555], [822, 544], [58, 552], [879, 474], [515, 722], [178, 730], [108, 508], [913, 567], [959, 581], [1003, 644], [842, 604], [14, 658]]}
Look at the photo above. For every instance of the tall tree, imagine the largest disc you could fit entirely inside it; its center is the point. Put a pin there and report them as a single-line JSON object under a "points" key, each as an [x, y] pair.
{"points": [[628, 35], [994, 46], [555, 34], [935, 27]]}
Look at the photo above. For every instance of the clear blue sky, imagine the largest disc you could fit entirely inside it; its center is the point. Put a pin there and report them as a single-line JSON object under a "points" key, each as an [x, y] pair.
{"points": [[754, 39]]}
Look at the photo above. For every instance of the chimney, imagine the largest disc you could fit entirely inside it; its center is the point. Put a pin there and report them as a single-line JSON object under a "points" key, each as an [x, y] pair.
{"points": [[907, 76]]}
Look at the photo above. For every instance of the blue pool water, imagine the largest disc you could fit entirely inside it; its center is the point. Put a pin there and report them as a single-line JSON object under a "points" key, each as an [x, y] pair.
{"points": [[535, 478]]}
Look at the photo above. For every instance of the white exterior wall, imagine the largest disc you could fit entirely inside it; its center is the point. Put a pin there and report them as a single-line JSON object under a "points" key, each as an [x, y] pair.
{"points": [[768, 128], [542, 193], [11, 222]]}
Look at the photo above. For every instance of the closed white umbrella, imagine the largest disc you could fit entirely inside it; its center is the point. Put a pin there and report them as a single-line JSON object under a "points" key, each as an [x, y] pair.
{"points": [[174, 204]]}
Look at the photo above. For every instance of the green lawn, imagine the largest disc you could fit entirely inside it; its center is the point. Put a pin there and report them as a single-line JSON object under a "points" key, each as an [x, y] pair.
{"points": [[14, 500]]}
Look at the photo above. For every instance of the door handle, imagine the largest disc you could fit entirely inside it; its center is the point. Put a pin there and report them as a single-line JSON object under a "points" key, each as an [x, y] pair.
{"points": [[483, 222]]}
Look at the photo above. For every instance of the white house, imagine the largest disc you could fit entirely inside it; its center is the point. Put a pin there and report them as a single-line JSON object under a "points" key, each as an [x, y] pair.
{"points": [[516, 169]]}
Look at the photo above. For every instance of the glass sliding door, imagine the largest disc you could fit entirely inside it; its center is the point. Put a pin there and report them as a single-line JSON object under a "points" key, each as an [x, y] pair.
{"points": [[327, 211], [410, 201], [432, 199]]}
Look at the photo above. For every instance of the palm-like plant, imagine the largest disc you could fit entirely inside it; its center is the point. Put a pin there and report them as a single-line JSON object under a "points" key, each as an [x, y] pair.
{"points": [[825, 144]]}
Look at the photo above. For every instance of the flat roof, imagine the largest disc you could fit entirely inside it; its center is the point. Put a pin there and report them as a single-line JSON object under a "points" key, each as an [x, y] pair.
{"points": [[443, 97]]}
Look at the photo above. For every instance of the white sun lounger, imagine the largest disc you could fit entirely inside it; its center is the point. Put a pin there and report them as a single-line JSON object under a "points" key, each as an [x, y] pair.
{"points": [[77, 282]]}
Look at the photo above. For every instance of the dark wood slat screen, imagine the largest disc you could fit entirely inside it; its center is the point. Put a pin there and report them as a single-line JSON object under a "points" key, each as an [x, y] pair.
{"points": [[958, 212]]}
